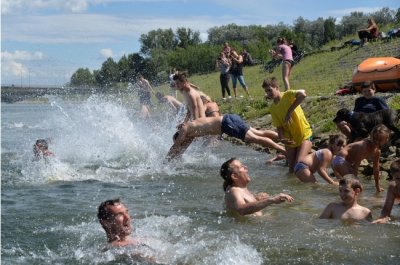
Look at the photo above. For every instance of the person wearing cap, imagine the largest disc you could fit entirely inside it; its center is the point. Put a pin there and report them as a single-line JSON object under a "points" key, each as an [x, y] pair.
{"points": [[367, 103], [238, 198]]}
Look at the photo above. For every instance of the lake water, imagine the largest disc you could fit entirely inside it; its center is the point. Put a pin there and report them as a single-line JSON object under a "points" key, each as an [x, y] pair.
{"points": [[103, 151]]}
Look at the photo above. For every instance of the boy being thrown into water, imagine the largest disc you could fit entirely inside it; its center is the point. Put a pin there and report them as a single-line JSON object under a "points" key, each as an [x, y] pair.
{"points": [[349, 158], [319, 161], [349, 190]]}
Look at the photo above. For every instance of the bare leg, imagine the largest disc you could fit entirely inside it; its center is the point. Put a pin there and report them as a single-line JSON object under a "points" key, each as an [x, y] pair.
{"points": [[285, 74], [303, 150], [262, 140], [291, 157], [305, 175]]}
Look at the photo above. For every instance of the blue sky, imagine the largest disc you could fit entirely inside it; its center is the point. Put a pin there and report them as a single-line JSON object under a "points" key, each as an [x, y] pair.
{"points": [[43, 42]]}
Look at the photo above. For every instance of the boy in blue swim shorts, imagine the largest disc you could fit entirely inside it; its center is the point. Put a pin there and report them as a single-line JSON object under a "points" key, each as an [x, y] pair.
{"points": [[230, 124]]}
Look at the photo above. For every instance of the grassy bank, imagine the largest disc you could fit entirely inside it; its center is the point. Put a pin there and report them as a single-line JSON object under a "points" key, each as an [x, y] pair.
{"points": [[320, 74]]}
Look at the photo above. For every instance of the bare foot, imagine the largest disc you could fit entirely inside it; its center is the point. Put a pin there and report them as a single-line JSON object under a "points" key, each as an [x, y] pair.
{"points": [[278, 157]]}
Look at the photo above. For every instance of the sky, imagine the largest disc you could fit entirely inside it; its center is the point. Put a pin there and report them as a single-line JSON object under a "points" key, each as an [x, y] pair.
{"points": [[43, 42]]}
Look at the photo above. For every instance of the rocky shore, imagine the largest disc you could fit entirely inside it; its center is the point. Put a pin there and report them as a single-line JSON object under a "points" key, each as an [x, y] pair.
{"points": [[320, 140]]}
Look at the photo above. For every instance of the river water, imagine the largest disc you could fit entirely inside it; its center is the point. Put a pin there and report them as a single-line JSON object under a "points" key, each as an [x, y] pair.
{"points": [[104, 151]]}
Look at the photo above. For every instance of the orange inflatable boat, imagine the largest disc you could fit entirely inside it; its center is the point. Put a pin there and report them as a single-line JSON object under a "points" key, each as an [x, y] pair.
{"points": [[384, 71]]}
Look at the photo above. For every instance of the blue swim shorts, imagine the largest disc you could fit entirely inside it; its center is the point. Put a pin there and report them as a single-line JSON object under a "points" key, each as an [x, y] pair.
{"points": [[234, 126]]}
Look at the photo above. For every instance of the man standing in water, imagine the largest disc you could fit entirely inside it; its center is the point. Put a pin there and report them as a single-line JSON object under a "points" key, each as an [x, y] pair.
{"points": [[238, 198]]}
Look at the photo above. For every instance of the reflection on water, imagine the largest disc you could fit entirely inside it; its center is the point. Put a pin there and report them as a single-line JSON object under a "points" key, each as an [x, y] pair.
{"points": [[104, 151]]}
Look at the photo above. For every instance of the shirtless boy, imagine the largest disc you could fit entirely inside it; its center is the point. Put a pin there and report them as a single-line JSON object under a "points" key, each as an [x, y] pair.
{"points": [[392, 194], [191, 97], [349, 190], [319, 161], [231, 124], [349, 158], [238, 198]]}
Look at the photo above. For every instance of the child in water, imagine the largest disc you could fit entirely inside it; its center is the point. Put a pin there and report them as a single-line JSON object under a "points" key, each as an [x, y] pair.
{"points": [[41, 149], [319, 161], [349, 158], [349, 190], [392, 194], [287, 115]]}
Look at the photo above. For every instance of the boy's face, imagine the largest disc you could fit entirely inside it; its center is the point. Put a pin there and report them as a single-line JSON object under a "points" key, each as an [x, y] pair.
{"points": [[339, 144], [347, 193], [368, 92], [270, 92]]}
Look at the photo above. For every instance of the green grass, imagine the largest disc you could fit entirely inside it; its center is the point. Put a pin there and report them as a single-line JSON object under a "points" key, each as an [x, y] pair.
{"points": [[320, 74]]}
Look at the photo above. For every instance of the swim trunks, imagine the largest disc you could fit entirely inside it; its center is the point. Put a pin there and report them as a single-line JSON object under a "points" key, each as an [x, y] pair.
{"points": [[339, 161], [300, 166], [234, 126]]}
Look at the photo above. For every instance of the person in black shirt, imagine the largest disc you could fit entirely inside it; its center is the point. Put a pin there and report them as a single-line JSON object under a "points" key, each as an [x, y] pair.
{"points": [[367, 103]]}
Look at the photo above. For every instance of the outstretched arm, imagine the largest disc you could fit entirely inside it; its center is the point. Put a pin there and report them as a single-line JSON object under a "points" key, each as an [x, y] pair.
{"points": [[244, 208], [376, 170], [388, 205]]}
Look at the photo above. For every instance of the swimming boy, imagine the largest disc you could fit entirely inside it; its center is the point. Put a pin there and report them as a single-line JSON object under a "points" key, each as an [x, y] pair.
{"points": [[349, 190], [392, 194], [287, 115], [238, 198], [231, 124], [319, 161], [349, 158]]}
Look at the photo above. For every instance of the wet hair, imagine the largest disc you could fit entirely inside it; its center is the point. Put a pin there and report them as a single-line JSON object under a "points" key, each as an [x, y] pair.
{"points": [[270, 82], [180, 76], [103, 213], [368, 84], [337, 139], [226, 173], [42, 142], [350, 180], [380, 130]]}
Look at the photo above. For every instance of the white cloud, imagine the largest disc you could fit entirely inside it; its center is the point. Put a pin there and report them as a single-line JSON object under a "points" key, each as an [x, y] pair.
{"points": [[106, 53], [16, 6], [21, 56], [14, 68]]}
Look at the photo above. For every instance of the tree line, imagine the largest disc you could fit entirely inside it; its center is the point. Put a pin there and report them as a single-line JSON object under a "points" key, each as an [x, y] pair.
{"points": [[164, 49]]}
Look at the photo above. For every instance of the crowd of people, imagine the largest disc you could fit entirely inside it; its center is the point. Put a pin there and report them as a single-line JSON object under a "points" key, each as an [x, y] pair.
{"points": [[291, 138]]}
